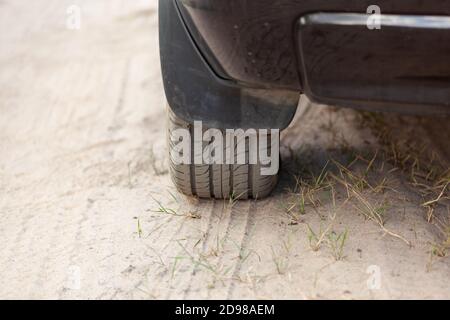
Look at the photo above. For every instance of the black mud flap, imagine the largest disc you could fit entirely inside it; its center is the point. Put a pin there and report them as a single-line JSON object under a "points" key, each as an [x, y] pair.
{"points": [[195, 92]]}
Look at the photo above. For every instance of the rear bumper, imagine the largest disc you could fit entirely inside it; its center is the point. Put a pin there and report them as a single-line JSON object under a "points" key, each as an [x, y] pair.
{"points": [[255, 44], [404, 65]]}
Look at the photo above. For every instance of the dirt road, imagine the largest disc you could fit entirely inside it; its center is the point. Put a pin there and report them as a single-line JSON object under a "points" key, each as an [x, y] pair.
{"points": [[87, 209]]}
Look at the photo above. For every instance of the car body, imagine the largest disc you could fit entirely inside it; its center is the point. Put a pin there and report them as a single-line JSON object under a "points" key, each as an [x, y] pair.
{"points": [[244, 63]]}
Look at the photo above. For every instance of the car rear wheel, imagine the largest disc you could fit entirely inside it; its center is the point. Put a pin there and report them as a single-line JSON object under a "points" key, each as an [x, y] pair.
{"points": [[219, 181]]}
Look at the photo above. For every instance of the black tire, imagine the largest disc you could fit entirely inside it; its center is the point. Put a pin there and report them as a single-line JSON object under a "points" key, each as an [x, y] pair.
{"points": [[216, 181]]}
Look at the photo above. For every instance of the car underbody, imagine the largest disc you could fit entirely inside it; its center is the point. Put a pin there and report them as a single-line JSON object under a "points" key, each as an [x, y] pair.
{"points": [[243, 64]]}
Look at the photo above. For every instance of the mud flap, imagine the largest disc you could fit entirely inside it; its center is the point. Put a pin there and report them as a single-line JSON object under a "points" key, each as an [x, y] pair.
{"points": [[195, 92]]}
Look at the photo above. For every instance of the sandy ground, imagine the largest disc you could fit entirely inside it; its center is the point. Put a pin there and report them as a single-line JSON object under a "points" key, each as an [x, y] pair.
{"points": [[83, 175]]}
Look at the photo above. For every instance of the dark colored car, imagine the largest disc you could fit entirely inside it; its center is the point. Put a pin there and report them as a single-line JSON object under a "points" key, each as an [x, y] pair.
{"points": [[244, 63]]}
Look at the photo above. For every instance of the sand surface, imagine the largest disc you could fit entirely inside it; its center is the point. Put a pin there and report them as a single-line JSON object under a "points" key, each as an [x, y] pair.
{"points": [[83, 174]]}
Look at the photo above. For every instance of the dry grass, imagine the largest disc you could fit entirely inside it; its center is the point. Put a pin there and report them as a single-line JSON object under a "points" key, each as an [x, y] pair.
{"points": [[353, 184], [163, 209], [363, 180], [426, 172], [281, 256]]}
